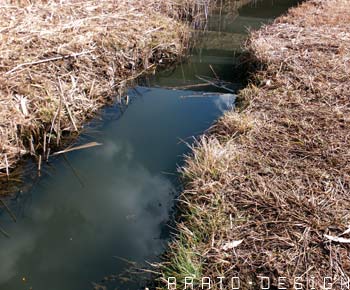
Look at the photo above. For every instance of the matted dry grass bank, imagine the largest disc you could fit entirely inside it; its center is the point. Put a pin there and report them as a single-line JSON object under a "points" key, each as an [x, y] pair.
{"points": [[60, 61], [268, 189]]}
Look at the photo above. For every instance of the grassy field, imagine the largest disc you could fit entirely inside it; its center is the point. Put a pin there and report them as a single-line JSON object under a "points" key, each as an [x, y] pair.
{"points": [[60, 61], [267, 190]]}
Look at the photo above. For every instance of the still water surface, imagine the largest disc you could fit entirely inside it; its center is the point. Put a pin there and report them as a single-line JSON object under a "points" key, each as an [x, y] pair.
{"points": [[97, 207]]}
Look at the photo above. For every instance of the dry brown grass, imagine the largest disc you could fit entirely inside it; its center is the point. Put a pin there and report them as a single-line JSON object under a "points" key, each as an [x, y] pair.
{"points": [[60, 61], [277, 176]]}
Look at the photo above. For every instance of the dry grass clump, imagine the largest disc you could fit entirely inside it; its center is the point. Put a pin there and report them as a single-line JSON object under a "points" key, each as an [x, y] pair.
{"points": [[60, 61], [284, 191], [234, 124]]}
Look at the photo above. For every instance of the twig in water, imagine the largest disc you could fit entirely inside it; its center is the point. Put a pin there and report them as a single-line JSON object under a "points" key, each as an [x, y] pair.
{"points": [[8, 210], [39, 165], [201, 95], [6, 234], [215, 85], [212, 69], [189, 86], [70, 149], [73, 170], [44, 145]]}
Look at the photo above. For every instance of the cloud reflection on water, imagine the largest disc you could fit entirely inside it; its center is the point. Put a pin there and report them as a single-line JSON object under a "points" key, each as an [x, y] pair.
{"points": [[75, 228], [119, 204]]}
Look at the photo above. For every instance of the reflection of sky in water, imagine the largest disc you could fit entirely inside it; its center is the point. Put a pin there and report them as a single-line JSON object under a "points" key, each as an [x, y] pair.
{"points": [[68, 234], [225, 102], [71, 229]]}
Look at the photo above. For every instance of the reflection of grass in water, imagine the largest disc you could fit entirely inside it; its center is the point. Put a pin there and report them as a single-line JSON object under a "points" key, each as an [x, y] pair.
{"points": [[16, 181], [134, 275]]}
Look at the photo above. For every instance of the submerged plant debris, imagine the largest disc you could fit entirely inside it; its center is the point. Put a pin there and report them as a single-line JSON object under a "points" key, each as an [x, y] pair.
{"points": [[60, 61], [276, 176]]}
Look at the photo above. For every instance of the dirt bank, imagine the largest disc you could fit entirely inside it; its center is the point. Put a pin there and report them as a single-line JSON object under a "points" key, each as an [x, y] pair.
{"points": [[60, 61], [268, 189]]}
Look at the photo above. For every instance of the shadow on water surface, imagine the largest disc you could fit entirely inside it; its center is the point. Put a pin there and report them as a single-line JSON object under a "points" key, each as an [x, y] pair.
{"points": [[116, 200]]}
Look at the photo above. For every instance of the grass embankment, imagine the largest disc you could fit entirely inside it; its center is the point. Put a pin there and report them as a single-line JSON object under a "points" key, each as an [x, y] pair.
{"points": [[60, 61], [276, 175]]}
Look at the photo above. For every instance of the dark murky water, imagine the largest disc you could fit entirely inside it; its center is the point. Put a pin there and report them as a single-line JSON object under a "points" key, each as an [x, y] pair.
{"points": [[99, 207]]}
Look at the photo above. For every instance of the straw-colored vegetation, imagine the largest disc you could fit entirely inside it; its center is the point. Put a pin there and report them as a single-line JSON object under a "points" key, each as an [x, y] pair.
{"points": [[268, 189], [60, 61]]}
